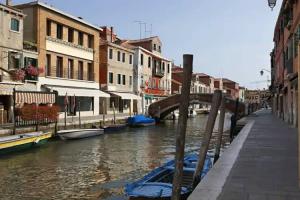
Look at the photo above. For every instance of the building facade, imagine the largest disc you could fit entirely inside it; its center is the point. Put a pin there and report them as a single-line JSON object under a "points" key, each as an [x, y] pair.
{"points": [[68, 51], [151, 71], [231, 88], [116, 74], [14, 59], [285, 62]]}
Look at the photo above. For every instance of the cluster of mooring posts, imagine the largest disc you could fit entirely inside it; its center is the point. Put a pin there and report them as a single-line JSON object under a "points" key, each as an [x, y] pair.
{"points": [[218, 103]]}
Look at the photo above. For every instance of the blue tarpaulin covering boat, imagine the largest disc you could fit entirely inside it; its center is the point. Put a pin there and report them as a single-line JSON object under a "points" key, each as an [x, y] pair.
{"points": [[140, 120], [158, 183]]}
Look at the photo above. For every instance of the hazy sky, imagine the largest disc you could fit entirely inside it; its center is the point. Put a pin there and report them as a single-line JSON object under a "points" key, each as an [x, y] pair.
{"points": [[229, 38]]}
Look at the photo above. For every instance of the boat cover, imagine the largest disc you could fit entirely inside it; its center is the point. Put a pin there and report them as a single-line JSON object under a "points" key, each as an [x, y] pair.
{"points": [[140, 119]]}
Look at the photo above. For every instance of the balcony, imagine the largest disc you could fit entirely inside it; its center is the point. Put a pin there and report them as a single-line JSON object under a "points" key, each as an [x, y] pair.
{"points": [[158, 73]]}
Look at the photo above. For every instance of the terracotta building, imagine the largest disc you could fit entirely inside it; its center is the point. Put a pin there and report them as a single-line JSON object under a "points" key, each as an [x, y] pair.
{"points": [[231, 88], [285, 62], [68, 51]]}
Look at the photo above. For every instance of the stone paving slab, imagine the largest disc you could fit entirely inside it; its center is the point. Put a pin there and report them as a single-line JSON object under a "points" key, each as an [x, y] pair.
{"points": [[266, 167]]}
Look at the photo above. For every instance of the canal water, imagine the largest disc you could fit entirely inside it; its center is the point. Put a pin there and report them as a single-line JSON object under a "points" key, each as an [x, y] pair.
{"points": [[94, 168]]}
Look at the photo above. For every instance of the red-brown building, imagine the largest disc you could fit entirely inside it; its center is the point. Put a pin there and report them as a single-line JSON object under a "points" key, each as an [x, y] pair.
{"points": [[231, 87], [284, 62]]}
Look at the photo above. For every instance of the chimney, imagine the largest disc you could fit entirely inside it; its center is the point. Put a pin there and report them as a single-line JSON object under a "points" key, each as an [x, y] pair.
{"points": [[8, 2], [111, 34]]}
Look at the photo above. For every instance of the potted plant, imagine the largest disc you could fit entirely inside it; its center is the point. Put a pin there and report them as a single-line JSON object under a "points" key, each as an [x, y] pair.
{"points": [[17, 75]]}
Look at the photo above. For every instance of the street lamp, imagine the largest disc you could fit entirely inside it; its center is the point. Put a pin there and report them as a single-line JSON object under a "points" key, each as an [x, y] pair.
{"points": [[262, 71], [272, 3]]}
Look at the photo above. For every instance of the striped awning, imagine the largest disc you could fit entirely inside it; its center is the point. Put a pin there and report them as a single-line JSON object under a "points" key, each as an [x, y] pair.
{"points": [[35, 97]]}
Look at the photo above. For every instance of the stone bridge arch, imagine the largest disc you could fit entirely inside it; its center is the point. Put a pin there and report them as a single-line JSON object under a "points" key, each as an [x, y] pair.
{"points": [[164, 107]]}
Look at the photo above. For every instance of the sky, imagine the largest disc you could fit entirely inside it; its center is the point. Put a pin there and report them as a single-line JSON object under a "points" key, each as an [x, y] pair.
{"points": [[228, 38]]}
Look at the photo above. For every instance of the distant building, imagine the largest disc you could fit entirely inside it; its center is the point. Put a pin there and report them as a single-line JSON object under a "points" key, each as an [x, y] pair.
{"points": [[231, 88], [259, 97], [208, 80], [151, 72], [116, 74], [218, 84], [242, 94]]}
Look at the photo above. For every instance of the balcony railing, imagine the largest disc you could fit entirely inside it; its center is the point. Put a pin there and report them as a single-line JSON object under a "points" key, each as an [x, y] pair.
{"points": [[158, 73]]}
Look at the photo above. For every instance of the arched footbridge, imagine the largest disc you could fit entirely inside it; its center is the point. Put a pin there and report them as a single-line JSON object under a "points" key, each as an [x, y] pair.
{"points": [[164, 107]]}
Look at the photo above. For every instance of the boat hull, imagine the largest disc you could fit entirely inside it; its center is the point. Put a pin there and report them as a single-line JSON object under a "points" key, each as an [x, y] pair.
{"points": [[182, 197], [157, 184], [22, 143], [142, 124], [79, 134], [113, 128]]}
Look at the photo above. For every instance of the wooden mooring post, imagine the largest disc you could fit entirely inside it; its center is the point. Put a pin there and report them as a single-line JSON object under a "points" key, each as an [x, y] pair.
{"points": [[216, 101], [220, 129], [181, 128], [234, 120]]}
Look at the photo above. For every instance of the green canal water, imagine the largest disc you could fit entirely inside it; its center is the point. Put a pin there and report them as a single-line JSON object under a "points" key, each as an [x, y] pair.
{"points": [[94, 168]]}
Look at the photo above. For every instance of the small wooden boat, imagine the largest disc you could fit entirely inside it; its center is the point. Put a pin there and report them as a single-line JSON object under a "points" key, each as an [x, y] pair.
{"points": [[140, 121], [158, 183], [22, 141], [114, 127], [74, 134]]}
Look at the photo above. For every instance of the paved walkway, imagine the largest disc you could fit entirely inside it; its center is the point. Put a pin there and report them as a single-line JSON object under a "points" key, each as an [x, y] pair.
{"points": [[265, 168]]}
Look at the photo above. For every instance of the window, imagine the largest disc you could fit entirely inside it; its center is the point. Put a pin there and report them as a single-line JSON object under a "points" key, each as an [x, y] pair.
{"points": [[59, 66], [130, 80], [111, 77], [110, 54], [90, 41], [13, 60], [119, 79], [86, 103], [159, 48], [80, 38], [90, 72], [168, 68], [48, 27], [48, 65], [154, 47], [149, 62], [124, 79], [80, 70], [70, 69], [163, 67], [130, 59], [123, 57], [142, 59], [59, 31], [15, 24], [70, 35], [119, 56]]}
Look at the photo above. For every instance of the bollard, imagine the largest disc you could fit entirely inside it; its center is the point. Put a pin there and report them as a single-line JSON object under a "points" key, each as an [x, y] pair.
{"points": [[181, 128]]}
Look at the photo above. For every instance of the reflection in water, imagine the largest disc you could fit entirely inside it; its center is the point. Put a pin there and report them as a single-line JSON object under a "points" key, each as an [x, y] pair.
{"points": [[95, 168]]}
